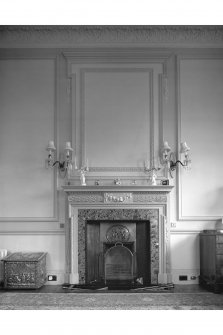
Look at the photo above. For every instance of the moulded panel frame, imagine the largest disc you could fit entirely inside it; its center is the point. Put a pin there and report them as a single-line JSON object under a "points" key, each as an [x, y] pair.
{"points": [[40, 55], [206, 54], [130, 59]]}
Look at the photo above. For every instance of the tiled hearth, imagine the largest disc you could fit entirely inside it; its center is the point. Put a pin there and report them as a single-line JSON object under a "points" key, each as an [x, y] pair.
{"points": [[111, 204]]}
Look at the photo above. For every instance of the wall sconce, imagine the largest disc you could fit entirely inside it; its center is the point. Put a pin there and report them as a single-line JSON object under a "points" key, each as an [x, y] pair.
{"points": [[169, 158], [63, 166]]}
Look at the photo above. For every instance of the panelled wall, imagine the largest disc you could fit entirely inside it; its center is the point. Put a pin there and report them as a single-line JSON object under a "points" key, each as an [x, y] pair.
{"points": [[176, 95], [29, 206], [200, 120]]}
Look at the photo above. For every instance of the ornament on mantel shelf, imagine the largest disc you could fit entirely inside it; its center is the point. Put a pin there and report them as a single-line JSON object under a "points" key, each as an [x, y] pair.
{"points": [[117, 181], [153, 178], [82, 177], [97, 182], [83, 170]]}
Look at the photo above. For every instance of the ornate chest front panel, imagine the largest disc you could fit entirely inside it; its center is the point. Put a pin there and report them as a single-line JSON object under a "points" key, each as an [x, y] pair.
{"points": [[25, 270]]}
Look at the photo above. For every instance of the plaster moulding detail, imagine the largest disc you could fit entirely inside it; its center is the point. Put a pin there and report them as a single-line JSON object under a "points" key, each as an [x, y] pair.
{"points": [[69, 36]]}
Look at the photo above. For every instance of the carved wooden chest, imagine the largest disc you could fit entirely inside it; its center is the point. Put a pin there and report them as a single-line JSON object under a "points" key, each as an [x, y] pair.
{"points": [[24, 270], [211, 259]]}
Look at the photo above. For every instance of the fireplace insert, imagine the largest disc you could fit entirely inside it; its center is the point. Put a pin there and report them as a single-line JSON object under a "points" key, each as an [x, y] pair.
{"points": [[118, 253]]}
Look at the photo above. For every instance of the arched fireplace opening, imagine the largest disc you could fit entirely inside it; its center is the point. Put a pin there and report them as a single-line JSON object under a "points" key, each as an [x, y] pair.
{"points": [[118, 253], [119, 266]]}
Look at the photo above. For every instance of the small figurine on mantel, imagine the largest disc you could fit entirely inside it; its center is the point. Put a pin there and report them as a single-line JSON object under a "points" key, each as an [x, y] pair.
{"points": [[97, 182], [83, 172], [82, 177], [153, 178]]}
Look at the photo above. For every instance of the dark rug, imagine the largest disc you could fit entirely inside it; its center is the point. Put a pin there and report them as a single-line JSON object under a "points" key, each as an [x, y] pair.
{"points": [[110, 301], [113, 289]]}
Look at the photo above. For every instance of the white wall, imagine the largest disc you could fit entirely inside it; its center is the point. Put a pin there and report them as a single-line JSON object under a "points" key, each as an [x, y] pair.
{"points": [[36, 106]]}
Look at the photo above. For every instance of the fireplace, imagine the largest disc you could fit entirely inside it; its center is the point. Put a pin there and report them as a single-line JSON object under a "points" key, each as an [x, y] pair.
{"points": [[118, 235], [118, 251]]}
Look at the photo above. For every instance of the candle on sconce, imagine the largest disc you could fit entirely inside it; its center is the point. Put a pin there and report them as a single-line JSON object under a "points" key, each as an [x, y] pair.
{"points": [[87, 167], [51, 146], [153, 161], [68, 150], [146, 164], [75, 162], [68, 146]]}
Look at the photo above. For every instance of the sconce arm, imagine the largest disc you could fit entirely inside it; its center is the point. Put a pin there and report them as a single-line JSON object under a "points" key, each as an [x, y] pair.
{"points": [[173, 164], [60, 164]]}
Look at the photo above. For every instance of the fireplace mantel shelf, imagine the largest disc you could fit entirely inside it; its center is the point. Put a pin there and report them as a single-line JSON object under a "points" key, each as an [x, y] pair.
{"points": [[118, 188]]}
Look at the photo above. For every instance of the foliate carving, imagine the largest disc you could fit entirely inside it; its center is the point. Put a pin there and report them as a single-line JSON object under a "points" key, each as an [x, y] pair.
{"points": [[91, 197], [118, 197], [68, 35], [22, 278], [155, 197]]}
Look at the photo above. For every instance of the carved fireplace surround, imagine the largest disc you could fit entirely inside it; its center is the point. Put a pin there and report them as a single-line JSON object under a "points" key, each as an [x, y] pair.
{"points": [[114, 204]]}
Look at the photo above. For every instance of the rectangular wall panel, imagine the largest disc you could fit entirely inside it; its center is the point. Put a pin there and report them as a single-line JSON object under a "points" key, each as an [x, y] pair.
{"points": [[27, 120], [201, 101], [117, 111]]}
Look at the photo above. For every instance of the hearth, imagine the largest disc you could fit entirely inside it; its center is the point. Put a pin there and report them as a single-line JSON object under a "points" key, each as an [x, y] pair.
{"points": [[117, 235]]}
